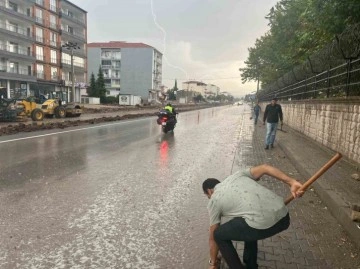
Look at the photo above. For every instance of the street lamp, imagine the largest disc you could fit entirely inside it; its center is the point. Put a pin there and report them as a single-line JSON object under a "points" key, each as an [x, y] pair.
{"points": [[72, 46]]}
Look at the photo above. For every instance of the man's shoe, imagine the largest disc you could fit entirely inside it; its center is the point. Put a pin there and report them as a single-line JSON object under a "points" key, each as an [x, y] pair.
{"points": [[272, 146], [267, 147]]}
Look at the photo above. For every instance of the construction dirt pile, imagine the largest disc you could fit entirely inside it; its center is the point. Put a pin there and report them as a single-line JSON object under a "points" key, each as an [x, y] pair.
{"points": [[91, 115]]}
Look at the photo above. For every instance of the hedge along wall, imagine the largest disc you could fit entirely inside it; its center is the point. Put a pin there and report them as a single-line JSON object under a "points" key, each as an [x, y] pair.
{"points": [[333, 123]]}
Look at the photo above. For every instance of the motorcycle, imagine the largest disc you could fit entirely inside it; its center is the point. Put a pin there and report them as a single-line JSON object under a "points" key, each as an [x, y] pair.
{"points": [[167, 120]]}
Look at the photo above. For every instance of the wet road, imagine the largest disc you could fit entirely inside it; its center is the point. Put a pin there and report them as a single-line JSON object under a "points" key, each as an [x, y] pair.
{"points": [[120, 195]]}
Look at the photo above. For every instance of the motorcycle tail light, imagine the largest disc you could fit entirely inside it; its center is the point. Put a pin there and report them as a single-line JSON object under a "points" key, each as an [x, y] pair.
{"points": [[164, 119]]}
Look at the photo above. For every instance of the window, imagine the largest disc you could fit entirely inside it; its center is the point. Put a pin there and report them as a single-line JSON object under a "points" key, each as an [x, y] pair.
{"points": [[54, 73], [53, 56], [106, 62], [116, 64], [13, 6], [14, 67], [53, 39], [40, 2], [106, 54], [39, 16], [117, 54], [70, 29], [65, 58], [52, 21], [53, 5], [13, 27], [80, 62], [40, 71], [14, 47], [39, 35], [39, 53]]}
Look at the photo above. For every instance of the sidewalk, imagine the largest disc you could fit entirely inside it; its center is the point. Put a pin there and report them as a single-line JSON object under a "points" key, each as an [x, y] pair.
{"points": [[314, 239], [336, 188]]}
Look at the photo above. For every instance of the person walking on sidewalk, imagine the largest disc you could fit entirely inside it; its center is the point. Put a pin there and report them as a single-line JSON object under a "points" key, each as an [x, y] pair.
{"points": [[257, 109], [254, 211], [272, 114]]}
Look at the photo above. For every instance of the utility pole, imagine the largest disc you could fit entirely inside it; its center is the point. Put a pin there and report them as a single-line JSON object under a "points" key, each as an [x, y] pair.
{"points": [[72, 46]]}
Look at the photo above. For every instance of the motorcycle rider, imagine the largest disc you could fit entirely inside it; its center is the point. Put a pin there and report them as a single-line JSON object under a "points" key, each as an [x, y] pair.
{"points": [[172, 111], [170, 108]]}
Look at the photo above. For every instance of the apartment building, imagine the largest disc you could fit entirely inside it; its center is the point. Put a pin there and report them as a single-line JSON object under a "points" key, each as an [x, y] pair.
{"points": [[129, 68], [33, 59], [73, 21], [194, 86], [16, 47]]}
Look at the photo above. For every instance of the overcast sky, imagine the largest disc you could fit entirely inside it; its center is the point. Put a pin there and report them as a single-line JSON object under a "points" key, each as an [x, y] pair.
{"points": [[206, 40]]}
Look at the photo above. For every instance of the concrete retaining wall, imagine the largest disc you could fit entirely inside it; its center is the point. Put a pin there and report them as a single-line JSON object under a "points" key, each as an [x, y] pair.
{"points": [[333, 123]]}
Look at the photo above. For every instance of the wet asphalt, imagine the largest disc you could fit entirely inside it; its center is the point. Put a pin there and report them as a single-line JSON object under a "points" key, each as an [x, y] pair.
{"points": [[118, 195]]}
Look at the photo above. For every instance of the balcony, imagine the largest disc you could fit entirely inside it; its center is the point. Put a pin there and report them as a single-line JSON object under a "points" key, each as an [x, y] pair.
{"points": [[17, 52], [66, 64], [53, 8], [54, 26], [24, 15], [40, 57], [54, 44], [39, 2], [72, 18], [40, 75], [16, 73], [19, 32], [39, 20], [73, 34], [39, 39]]}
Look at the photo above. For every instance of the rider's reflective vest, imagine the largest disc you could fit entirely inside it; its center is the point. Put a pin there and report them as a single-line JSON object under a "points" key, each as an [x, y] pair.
{"points": [[170, 108]]}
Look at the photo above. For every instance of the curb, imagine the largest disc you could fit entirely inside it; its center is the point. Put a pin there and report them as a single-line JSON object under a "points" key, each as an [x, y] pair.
{"points": [[335, 204]]}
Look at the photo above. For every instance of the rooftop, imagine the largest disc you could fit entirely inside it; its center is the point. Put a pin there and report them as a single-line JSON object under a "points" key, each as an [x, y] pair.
{"points": [[117, 44]]}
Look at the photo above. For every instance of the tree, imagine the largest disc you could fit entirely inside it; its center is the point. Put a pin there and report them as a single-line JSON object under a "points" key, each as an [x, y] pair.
{"points": [[172, 92], [92, 90], [298, 28], [100, 85], [198, 98]]}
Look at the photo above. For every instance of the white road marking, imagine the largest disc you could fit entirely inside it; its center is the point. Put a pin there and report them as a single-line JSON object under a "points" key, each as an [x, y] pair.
{"points": [[69, 131]]}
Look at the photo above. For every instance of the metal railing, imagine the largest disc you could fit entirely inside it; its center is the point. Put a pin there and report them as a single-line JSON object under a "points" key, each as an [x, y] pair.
{"points": [[71, 17], [73, 33], [39, 2], [39, 20], [40, 57], [17, 50], [39, 39], [3, 4], [76, 64], [331, 72], [16, 29], [53, 8], [15, 70], [53, 26], [40, 75]]}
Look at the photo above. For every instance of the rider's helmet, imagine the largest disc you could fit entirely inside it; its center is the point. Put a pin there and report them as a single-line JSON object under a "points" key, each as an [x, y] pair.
{"points": [[169, 104]]}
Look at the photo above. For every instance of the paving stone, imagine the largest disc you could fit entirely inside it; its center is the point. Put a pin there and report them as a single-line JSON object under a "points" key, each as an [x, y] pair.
{"points": [[313, 240]]}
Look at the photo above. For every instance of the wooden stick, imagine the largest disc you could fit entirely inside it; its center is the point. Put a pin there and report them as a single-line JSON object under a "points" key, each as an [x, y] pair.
{"points": [[318, 174]]}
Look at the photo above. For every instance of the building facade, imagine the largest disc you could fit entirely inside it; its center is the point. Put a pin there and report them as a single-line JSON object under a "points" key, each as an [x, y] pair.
{"points": [[33, 60], [194, 86], [129, 68]]}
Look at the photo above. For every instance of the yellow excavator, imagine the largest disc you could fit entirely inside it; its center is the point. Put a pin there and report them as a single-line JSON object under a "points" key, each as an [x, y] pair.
{"points": [[29, 108]]}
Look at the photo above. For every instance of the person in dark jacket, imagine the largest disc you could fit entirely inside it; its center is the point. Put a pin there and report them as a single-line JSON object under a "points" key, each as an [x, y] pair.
{"points": [[272, 114], [257, 109]]}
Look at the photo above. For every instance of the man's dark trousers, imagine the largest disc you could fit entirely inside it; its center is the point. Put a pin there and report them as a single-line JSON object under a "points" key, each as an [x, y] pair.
{"points": [[238, 230]]}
